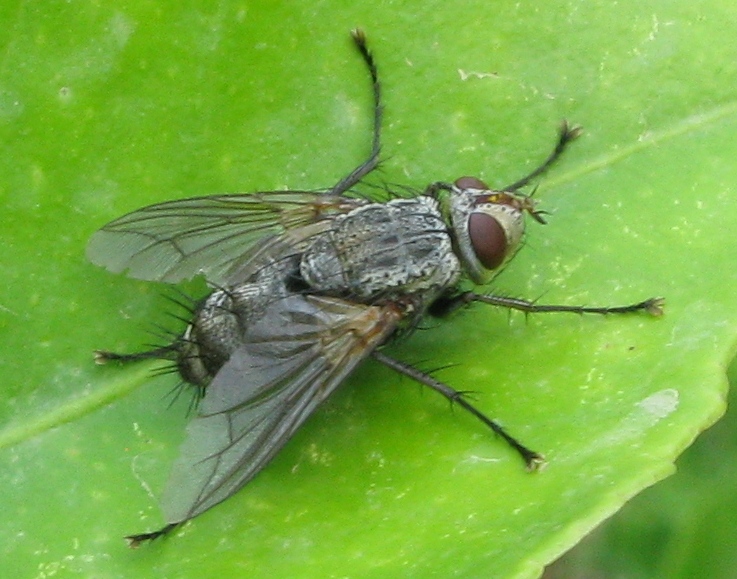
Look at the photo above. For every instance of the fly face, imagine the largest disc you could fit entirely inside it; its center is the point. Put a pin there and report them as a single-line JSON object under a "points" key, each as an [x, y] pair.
{"points": [[307, 285], [487, 225]]}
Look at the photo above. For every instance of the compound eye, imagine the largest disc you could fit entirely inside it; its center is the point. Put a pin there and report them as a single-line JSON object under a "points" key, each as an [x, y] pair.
{"points": [[471, 183], [488, 240]]}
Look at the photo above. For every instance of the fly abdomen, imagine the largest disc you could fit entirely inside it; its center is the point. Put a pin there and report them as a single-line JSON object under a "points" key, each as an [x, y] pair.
{"points": [[209, 340]]}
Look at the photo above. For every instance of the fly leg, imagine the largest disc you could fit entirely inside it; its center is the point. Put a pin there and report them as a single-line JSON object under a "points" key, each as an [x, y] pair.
{"points": [[370, 164], [169, 352], [162, 353], [135, 540], [446, 305], [532, 459], [565, 136], [165, 353]]}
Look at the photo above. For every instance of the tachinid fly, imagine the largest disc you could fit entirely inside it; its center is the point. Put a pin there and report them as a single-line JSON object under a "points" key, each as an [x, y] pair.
{"points": [[306, 285]]}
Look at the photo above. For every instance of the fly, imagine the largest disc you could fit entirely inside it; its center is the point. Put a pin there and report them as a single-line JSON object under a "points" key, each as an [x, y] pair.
{"points": [[306, 286]]}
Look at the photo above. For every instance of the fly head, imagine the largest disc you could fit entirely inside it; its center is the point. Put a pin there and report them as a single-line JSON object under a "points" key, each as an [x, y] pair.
{"points": [[487, 226]]}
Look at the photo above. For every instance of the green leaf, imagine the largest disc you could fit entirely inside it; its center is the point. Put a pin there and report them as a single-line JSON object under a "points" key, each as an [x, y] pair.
{"points": [[681, 528], [104, 109]]}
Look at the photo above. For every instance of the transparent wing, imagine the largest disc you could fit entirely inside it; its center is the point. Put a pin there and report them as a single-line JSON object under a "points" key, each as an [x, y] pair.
{"points": [[294, 357], [177, 240]]}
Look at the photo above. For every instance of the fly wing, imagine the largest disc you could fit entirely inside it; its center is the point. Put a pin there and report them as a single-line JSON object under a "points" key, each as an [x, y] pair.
{"points": [[178, 240], [293, 358]]}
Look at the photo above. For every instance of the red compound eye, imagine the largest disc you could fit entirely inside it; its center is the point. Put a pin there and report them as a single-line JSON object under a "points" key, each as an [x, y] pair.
{"points": [[471, 183], [488, 239]]}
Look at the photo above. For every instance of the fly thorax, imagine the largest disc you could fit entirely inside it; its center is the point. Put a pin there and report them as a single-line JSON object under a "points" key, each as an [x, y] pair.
{"points": [[487, 225], [382, 249]]}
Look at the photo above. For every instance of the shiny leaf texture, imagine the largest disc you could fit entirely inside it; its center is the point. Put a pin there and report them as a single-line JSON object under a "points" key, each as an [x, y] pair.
{"points": [[105, 108]]}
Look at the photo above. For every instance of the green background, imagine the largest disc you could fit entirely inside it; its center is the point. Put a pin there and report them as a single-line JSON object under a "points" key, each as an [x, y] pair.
{"points": [[108, 107]]}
